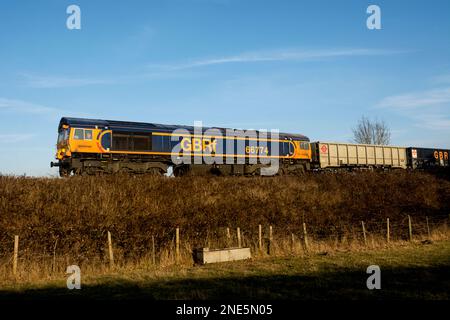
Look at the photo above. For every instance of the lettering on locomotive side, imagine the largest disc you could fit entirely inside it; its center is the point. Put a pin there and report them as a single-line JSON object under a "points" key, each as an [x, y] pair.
{"points": [[257, 150], [199, 144]]}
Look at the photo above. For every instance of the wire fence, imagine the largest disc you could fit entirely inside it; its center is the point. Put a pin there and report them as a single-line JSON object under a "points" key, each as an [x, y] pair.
{"points": [[168, 248]]}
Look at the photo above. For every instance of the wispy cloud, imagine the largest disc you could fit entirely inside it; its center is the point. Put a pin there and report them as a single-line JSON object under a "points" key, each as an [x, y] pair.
{"points": [[14, 138], [37, 81], [25, 107], [429, 109], [278, 55], [158, 70], [30, 108], [423, 99], [433, 121]]}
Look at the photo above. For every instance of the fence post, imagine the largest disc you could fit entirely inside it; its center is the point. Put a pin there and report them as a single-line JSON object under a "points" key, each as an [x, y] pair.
{"points": [[110, 249], [238, 230], [292, 243], [177, 245], [305, 236], [364, 233], [16, 254], [228, 237], [153, 250], [388, 235], [428, 229], [260, 238], [269, 251], [54, 256], [410, 228]]}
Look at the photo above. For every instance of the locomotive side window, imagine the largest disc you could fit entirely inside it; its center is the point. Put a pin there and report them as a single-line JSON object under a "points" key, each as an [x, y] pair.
{"points": [[61, 136], [78, 134], [87, 134], [304, 145]]}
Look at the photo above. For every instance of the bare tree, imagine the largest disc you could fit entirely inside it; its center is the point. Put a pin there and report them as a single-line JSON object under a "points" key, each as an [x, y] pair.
{"points": [[372, 132]]}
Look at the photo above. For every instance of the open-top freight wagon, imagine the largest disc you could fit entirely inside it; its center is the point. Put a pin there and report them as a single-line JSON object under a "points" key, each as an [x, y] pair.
{"points": [[328, 155]]}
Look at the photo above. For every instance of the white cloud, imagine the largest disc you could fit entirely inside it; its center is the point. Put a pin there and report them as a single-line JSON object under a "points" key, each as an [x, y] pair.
{"points": [[423, 99], [277, 55], [36, 81], [433, 121], [166, 70], [25, 107], [13, 138], [429, 109]]}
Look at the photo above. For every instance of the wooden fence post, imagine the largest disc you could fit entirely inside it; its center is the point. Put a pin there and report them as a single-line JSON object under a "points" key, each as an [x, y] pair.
{"points": [[110, 249], [153, 250], [238, 230], [260, 238], [428, 229], [54, 256], [270, 249], [305, 236], [364, 233], [292, 242], [16, 254], [388, 235], [177, 245], [410, 228], [228, 237]]}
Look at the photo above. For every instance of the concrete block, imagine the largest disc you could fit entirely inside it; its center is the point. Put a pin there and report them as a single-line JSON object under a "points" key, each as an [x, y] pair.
{"points": [[206, 255]]}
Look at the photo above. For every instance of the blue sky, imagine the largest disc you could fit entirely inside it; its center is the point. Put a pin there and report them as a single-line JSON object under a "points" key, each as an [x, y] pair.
{"points": [[309, 67]]}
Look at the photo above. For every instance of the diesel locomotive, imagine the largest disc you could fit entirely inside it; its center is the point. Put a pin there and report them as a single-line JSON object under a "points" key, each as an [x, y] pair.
{"points": [[90, 146]]}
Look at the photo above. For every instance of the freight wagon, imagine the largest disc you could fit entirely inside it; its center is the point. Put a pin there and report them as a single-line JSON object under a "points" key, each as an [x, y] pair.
{"points": [[424, 158], [328, 155]]}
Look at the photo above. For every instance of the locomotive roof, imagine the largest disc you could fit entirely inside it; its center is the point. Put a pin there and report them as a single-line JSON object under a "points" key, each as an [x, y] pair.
{"points": [[147, 127]]}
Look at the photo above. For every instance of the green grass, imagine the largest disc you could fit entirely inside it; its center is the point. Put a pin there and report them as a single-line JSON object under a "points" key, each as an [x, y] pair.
{"points": [[413, 271]]}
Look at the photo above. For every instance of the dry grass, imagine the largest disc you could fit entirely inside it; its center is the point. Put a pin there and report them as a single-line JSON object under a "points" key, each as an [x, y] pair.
{"points": [[70, 217], [409, 271]]}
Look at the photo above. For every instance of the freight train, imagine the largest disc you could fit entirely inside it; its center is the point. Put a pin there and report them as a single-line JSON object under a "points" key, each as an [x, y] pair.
{"points": [[89, 147]]}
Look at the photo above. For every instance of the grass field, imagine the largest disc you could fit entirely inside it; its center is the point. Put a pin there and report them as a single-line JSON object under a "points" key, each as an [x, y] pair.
{"points": [[408, 271]]}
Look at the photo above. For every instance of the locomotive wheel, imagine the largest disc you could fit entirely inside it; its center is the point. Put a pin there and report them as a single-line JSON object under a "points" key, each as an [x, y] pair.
{"points": [[63, 173], [181, 171]]}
